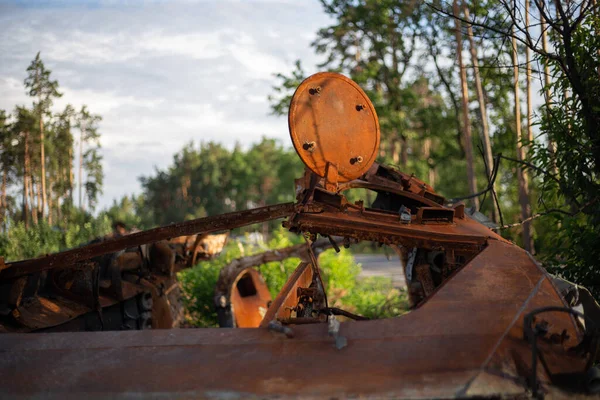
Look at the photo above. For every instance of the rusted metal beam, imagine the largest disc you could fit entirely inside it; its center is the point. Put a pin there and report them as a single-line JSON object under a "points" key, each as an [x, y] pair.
{"points": [[356, 225], [201, 225]]}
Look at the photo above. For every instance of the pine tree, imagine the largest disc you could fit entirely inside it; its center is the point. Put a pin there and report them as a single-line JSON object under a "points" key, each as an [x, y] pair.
{"points": [[7, 164], [43, 90], [466, 126], [61, 167], [521, 173], [485, 130], [90, 160]]}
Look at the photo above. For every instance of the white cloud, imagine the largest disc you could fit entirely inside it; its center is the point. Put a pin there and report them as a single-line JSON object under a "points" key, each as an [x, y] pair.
{"points": [[12, 92], [195, 45], [103, 102], [162, 74]]}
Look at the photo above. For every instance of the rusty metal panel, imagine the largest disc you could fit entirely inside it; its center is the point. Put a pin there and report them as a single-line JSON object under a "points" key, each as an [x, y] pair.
{"points": [[448, 347], [465, 338], [40, 312], [332, 121], [354, 224], [250, 298]]}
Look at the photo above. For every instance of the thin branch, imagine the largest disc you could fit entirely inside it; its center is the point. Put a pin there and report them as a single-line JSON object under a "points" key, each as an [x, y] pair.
{"points": [[540, 6], [550, 211], [499, 31], [532, 166]]}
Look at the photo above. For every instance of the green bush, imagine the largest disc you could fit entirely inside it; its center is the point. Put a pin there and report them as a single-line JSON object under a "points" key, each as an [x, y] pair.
{"points": [[19, 242], [375, 297], [198, 287], [371, 297]]}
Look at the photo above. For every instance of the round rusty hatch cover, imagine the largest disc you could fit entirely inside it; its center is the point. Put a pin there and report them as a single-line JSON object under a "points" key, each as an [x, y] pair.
{"points": [[332, 120]]}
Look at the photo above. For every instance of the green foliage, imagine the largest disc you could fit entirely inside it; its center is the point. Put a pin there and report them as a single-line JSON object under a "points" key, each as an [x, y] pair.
{"points": [[90, 158], [572, 185], [198, 287], [28, 243], [37, 153], [276, 274], [372, 297], [21, 242], [375, 297], [83, 228], [129, 211], [211, 179], [40, 86], [282, 92]]}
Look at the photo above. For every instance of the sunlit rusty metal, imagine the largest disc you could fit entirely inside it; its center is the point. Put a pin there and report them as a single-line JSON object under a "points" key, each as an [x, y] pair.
{"points": [[470, 290], [333, 123], [465, 341], [241, 295]]}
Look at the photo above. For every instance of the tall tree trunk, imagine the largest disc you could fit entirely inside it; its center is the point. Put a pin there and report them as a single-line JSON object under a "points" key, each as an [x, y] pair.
{"points": [[50, 204], [58, 209], [43, 166], [3, 205], [528, 75], [71, 177], [548, 94], [395, 150], [37, 191], [80, 169], [426, 157], [466, 128], [42, 152], [33, 190], [521, 175], [485, 130], [403, 151], [596, 25], [25, 179]]}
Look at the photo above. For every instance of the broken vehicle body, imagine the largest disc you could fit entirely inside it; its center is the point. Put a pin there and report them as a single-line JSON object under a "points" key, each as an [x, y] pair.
{"points": [[134, 288], [486, 318]]}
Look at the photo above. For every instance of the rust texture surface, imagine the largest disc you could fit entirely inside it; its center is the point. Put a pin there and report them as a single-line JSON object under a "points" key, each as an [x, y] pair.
{"points": [[445, 348], [250, 298], [332, 120], [469, 290], [242, 302]]}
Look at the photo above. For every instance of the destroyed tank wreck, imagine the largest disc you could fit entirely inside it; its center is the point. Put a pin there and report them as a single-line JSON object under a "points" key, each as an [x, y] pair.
{"points": [[133, 288], [486, 320]]}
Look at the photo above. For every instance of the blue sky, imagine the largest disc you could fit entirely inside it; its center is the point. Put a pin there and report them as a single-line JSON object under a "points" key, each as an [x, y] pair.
{"points": [[160, 74]]}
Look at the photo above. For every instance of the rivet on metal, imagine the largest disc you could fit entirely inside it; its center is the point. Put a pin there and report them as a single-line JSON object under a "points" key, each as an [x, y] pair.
{"points": [[357, 159], [309, 146]]}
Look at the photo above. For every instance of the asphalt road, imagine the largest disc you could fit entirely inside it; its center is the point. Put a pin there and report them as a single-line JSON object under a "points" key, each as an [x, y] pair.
{"points": [[379, 265]]}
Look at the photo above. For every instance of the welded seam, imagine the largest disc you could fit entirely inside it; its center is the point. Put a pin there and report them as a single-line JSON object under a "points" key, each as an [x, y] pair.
{"points": [[513, 322], [580, 334], [515, 319]]}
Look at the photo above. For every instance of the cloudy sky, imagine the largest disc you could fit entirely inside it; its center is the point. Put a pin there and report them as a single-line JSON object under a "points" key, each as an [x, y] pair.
{"points": [[160, 74]]}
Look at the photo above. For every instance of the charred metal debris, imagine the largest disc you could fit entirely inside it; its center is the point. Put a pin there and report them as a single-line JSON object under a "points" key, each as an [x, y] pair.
{"points": [[474, 329]]}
